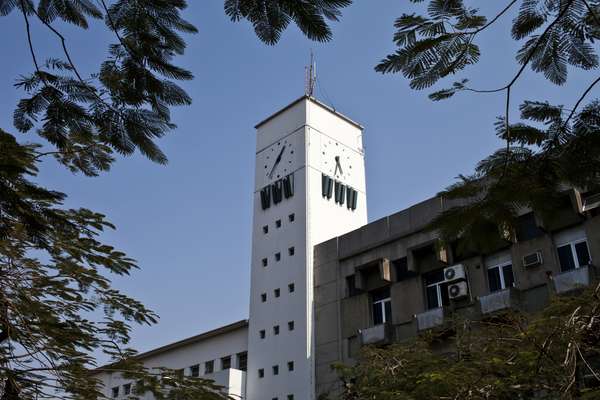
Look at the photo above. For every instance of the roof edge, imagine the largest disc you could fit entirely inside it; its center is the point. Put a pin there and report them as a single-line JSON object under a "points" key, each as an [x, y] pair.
{"points": [[187, 341], [315, 101]]}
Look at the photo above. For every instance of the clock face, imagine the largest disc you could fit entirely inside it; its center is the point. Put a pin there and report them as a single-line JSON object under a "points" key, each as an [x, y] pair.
{"points": [[277, 161], [336, 159]]}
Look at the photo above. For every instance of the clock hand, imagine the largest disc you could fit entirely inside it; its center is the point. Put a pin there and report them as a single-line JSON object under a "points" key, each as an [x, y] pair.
{"points": [[277, 160], [338, 165]]}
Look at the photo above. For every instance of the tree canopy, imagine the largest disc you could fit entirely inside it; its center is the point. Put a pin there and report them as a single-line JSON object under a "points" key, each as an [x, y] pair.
{"points": [[551, 355]]}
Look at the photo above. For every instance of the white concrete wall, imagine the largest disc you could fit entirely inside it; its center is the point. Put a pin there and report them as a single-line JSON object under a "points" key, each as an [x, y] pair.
{"points": [[213, 348], [305, 127]]}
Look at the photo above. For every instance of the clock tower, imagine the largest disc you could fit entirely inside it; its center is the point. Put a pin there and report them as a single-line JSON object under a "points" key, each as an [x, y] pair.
{"points": [[309, 187]]}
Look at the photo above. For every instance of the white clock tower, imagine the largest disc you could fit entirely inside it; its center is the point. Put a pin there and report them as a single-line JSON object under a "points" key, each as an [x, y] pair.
{"points": [[309, 187]]}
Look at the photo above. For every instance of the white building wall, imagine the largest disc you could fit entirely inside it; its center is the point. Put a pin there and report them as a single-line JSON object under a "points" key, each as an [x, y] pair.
{"points": [[310, 130], [183, 357]]}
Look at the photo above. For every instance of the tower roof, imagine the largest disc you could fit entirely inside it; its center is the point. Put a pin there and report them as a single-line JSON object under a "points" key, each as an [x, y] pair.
{"points": [[314, 101]]}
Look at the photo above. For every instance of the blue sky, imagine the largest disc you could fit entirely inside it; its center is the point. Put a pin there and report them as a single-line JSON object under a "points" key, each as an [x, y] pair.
{"points": [[189, 224]]}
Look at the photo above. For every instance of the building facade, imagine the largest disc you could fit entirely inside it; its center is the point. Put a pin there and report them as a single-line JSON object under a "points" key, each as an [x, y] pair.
{"points": [[324, 282], [219, 355], [390, 280], [309, 187]]}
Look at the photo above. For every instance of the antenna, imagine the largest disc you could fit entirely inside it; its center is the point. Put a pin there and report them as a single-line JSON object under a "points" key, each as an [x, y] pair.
{"points": [[310, 76]]}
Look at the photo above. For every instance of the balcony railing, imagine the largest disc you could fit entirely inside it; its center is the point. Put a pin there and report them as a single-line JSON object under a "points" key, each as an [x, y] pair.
{"points": [[497, 301], [430, 319], [571, 280], [378, 334]]}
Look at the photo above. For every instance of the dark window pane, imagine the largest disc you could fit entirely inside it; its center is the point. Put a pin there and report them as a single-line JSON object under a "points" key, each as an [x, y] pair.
{"points": [[494, 279], [565, 256], [381, 294], [388, 311], [527, 227], [432, 298], [583, 255], [445, 295], [434, 277], [377, 314], [509, 278]]}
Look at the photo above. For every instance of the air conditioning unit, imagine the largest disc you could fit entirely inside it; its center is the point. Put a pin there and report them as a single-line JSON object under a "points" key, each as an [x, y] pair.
{"points": [[533, 259], [458, 290], [454, 273]]}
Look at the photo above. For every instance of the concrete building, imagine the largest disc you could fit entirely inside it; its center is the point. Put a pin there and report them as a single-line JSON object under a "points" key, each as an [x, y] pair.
{"points": [[324, 282], [389, 280]]}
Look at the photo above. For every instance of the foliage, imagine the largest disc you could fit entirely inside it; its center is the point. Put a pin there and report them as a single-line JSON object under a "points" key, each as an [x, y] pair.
{"points": [[510, 356], [553, 147], [57, 306], [271, 18]]}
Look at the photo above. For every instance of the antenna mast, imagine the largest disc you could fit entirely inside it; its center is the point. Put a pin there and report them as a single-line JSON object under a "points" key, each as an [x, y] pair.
{"points": [[311, 76]]}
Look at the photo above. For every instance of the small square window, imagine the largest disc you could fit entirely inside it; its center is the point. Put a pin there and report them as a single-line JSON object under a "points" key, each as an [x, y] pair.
{"points": [[291, 251], [263, 297], [209, 367], [265, 262], [262, 333], [278, 223], [276, 330], [195, 371], [274, 398], [266, 229], [277, 256], [290, 397], [115, 391], [242, 361], [261, 373], [275, 369], [291, 288], [290, 325], [277, 292], [292, 217], [127, 389], [290, 365], [226, 362]]}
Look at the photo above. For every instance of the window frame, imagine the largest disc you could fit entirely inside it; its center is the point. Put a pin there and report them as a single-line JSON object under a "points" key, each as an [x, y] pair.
{"points": [[381, 304], [439, 285], [573, 250], [210, 370], [223, 362], [115, 392], [501, 266]]}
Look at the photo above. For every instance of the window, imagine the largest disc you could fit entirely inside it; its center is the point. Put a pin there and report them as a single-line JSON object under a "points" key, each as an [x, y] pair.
{"points": [[127, 389], [290, 325], [278, 223], [265, 262], [276, 330], [263, 297], [436, 289], [195, 371], [277, 292], [242, 361], [266, 229], [527, 227], [290, 397], [291, 251], [290, 365], [291, 217], [209, 367], [226, 362], [115, 391], [382, 306], [275, 369], [277, 256], [262, 333], [261, 373], [573, 255], [500, 276], [291, 288]]}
